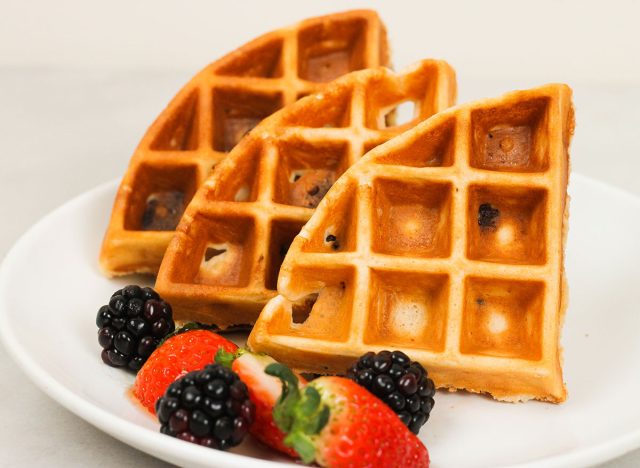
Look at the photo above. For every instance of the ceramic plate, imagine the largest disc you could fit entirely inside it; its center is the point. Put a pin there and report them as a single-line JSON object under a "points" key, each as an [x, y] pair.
{"points": [[51, 289]]}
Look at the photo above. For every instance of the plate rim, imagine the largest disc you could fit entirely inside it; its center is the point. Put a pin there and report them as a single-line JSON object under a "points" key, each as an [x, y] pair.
{"points": [[147, 440]]}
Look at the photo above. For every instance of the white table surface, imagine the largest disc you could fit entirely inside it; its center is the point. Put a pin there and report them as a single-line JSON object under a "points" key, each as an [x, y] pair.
{"points": [[64, 129]]}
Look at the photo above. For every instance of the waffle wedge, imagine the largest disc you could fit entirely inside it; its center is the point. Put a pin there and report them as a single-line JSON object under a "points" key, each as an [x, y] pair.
{"points": [[207, 118], [222, 265], [450, 243]]}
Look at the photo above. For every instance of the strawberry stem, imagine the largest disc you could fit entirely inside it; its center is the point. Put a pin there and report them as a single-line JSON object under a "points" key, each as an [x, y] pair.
{"points": [[289, 398], [301, 444], [225, 358], [299, 415]]}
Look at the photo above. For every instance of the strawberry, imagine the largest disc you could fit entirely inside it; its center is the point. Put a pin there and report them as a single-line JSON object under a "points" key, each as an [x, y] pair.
{"points": [[264, 391], [337, 423], [181, 353]]}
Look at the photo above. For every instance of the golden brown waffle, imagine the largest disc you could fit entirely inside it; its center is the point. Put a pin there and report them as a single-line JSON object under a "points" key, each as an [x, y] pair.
{"points": [[212, 113], [223, 263], [450, 248]]}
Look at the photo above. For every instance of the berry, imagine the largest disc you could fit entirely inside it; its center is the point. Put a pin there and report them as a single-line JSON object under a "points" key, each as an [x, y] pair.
{"points": [[264, 391], [184, 352], [402, 384], [126, 333], [202, 408], [336, 422]]}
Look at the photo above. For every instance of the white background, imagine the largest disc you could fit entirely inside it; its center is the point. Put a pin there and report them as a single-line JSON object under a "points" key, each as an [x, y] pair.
{"points": [[80, 81]]}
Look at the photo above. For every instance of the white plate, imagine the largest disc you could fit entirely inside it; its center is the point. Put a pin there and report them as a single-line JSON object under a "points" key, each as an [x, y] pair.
{"points": [[50, 291]]}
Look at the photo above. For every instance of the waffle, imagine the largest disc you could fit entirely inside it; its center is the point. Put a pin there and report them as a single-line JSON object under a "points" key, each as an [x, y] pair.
{"points": [[212, 113], [450, 244], [222, 266]]}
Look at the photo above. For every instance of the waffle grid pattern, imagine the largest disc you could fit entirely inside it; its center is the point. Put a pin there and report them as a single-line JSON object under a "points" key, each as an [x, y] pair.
{"points": [[217, 107], [423, 274], [335, 128]]}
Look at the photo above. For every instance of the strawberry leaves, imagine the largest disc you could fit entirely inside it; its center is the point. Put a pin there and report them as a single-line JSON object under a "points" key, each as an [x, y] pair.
{"points": [[298, 414], [226, 358]]}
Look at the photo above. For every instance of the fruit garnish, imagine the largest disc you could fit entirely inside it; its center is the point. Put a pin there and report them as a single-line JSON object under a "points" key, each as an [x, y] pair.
{"points": [[402, 384], [186, 351], [264, 391], [132, 325], [210, 407], [333, 422]]}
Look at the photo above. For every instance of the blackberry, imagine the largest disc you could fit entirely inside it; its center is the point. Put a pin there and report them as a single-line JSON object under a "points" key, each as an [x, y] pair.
{"points": [[402, 384], [210, 407], [131, 326]]}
